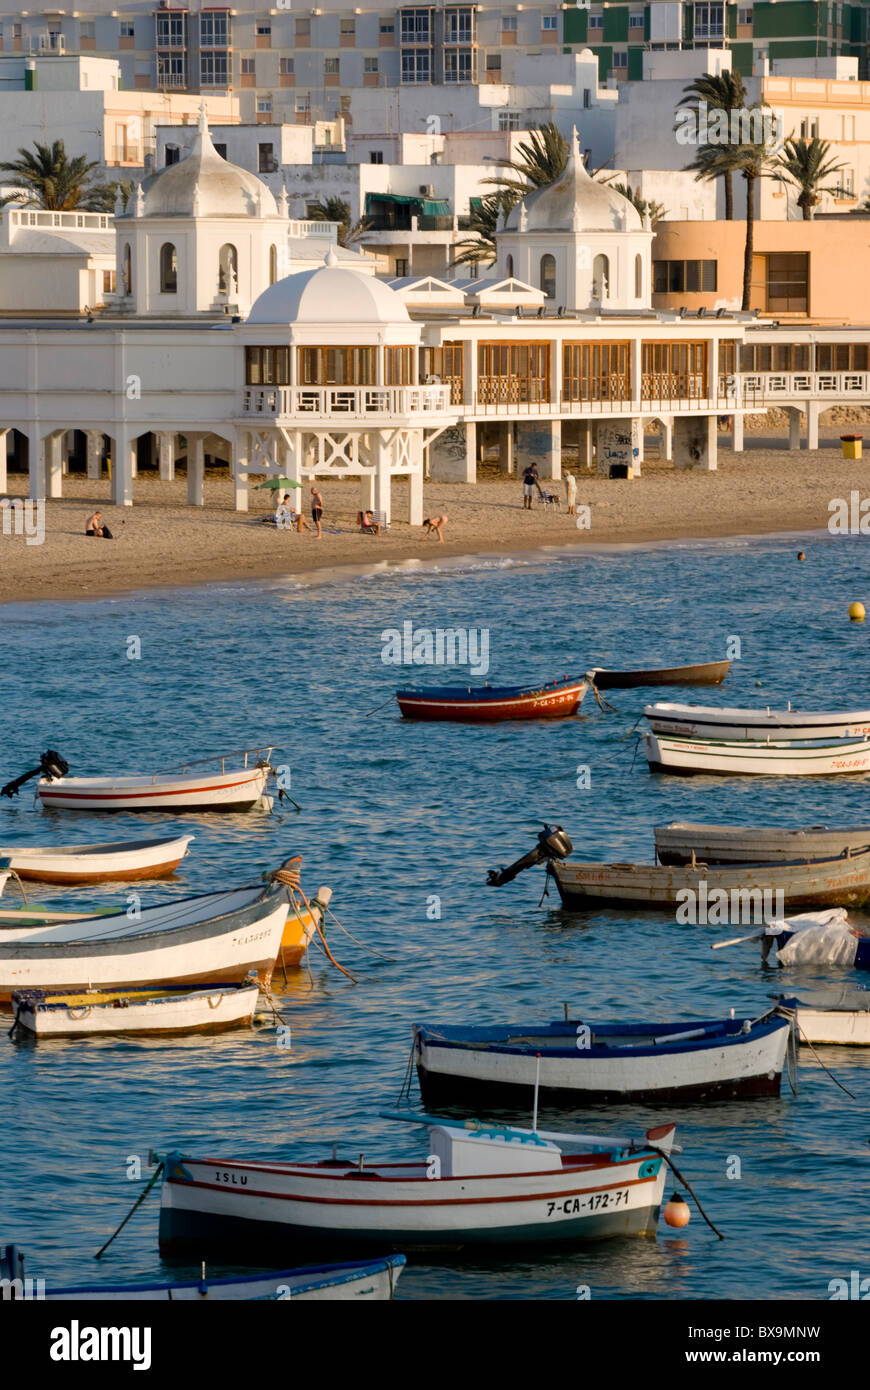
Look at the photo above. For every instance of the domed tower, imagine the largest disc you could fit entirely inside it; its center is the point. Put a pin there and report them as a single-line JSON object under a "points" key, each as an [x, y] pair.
{"points": [[200, 237], [580, 241]]}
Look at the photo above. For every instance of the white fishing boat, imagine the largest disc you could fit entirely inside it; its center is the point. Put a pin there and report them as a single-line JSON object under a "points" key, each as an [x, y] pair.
{"points": [[774, 758], [80, 1013], [369, 1280], [121, 861], [681, 842], [709, 721], [477, 1185], [4, 877], [212, 938], [839, 1016]]}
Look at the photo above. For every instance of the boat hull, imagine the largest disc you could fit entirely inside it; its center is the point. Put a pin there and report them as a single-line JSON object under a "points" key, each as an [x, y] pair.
{"points": [[833, 883], [243, 1207], [115, 863], [701, 722], [837, 1027], [230, 791], [735, 844], [689, 757], [207, 1011], [740, 1067], [703, 673], [489, 707]]}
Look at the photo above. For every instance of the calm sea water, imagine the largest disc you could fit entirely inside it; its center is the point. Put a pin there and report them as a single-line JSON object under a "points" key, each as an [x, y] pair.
{"points": [[394, 814]]}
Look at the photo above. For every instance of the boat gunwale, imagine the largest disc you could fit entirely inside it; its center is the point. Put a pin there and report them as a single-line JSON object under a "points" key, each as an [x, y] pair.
{"points": [[344, 1272], [763, 1028]]}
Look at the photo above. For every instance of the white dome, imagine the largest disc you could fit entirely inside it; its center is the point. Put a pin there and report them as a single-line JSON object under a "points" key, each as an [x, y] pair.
{"points": [[574, 202], [204, 184], [330, 294]]}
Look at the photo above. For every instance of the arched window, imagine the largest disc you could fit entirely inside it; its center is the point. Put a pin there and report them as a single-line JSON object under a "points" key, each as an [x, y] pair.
{"points": [[127, 270], [168, 269], [548, 276], [273, 264], [228, 270], [638, 277], [510, 265], [600, 278]]}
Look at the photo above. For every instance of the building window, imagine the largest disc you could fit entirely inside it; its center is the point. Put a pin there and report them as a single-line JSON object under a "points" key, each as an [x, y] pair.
{"points": [[398, 366], [87, 29], [347, 26], [457, 66], [127, 29], [638, 277], [387, 27], [264, 31], [635, 21], [457, 26], [709, 21], [376, 156], [337, 366], [286, 67], [170, 31], [370, 65], [620, 57], [674, 371], [513, 373], [267, 366], [596, 21], [302, 30], [213, 30], [587, 98], [273, 264], [810, 128], [171, 71], [596, 371], [416, 65], [548, 276], [330, 67], [847, 183], [264, 106], [172, 154], [493, 62], [601, 278], [168, 269], [549, 22], [509, 24], [509, 267], [214, 69], [744, 14], [685, 277], [127, 272], [401, 268], [266, 162], [786, 283], [220, 148], [416, 26], [108, 282], [508, 120]]}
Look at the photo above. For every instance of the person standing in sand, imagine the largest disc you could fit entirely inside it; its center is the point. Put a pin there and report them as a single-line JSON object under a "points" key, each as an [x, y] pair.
{"points": [[530, 482], [435, 524], [571, 493], [317, 511]]}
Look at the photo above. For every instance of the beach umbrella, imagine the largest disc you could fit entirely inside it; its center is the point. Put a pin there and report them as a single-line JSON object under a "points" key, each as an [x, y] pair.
{"points": [[279, 482]]}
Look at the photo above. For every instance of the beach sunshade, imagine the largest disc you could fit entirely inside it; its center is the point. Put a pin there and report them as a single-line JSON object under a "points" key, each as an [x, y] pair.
{"points": [[279, 482]]}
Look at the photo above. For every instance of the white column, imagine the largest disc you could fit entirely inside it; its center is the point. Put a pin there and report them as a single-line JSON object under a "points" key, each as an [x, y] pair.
{"points": [[666, 438], [53, 464], [4, 435], [636, 370], [584, 443], [737, 435], [367, 492], [415, 483], [65, 445], [134, 459], [383, 453], [123, 451], [695, 442], [166, 456], [814, 410], [35, 464], [794, 428], [240, 474], [508, 461], [94, 452], [195, 470]]}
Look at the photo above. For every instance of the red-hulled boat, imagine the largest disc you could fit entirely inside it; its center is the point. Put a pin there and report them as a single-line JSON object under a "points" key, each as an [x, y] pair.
{"points": [[486, 704]]}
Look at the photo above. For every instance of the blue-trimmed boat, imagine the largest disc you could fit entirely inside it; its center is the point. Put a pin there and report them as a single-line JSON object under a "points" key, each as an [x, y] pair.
{"points": [[373, 1280], [489, 704], [581, 1062]]}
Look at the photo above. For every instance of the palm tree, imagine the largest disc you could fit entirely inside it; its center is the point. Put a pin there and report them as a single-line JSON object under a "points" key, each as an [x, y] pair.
{"points": [[335, 209], [49, 179], [805, 164], [480, 248], [542, 159], [754, 161], [647, 208], [721, 92]]}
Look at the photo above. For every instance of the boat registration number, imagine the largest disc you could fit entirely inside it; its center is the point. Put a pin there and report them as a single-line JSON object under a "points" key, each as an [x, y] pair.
{"points": [[596, 1201]]}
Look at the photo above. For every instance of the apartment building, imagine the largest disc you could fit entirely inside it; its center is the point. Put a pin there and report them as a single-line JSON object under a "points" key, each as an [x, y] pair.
{"points": [[300, 63]]}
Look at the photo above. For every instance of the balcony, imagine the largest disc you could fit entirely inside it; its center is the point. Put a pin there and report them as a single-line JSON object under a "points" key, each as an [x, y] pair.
{"points": [[778, 386], [346, 404]]}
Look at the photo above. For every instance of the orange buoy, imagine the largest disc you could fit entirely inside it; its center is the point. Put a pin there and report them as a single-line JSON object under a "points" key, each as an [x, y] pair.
{"points": [[677, 1211]]}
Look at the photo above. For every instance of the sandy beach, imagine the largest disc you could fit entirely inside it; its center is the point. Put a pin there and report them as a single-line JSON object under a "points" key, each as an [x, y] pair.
{"points": [[161, 541]]}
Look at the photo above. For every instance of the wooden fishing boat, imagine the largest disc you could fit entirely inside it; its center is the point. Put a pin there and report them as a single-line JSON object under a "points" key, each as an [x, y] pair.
{"points": [[740, 892], [122, 861], [213, 938], [703, 673], [71, 1014], [371, 1280], [488, 704], [4, 877], [477, 1186], [579, 1062], [839, 1017], [680, 841], [783, 758], [190, 787], [706, 721]]}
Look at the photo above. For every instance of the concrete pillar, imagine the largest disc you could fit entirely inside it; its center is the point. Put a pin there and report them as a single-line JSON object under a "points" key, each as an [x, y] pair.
{"points": [[239, 467], [636, 353], [584, 443], [382, 479], [541, 443], [367, 492], [166, 456], [814, 410], [737, 435], [35, 464], [794, 428], [620, 445], [94, 453], [65, 446], [453, 455], [415, 484], [508, 453], [695, 442], [53, 464], [134, 460], [4, 435], [123, 458], [195, 470], [666, 439]]}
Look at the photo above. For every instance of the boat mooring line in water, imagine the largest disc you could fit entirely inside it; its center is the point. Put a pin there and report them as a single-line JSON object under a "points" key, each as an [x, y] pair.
{"points": [[138, 1202]]}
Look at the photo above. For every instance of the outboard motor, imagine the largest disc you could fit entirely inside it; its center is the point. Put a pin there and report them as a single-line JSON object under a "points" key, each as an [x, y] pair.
{"points": [[51, 765], [553, 843]]}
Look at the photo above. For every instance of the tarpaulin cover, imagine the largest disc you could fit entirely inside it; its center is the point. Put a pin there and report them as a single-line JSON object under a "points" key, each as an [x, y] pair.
{"points": [[817, 938]]}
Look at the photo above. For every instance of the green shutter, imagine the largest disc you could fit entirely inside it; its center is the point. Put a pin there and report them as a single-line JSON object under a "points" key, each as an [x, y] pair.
{"points": [[605, 60], [731, 21], [616, 24], [576, 24], [646, 23], [688, 24], [741, 58], [793, 48], [789, 18], [635, 64]]}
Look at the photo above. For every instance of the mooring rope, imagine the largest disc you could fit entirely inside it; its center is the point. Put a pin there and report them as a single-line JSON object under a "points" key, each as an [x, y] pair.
{"points": [[138, 1202], [361, 944], [796, 1028], [686, 1184]]}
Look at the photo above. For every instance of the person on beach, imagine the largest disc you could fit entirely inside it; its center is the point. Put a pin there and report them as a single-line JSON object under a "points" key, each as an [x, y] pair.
{"points": [[435, 524], [285, 516], [571, 493], [530, 482], [95, 527], [368, 525], [317, 511]]}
